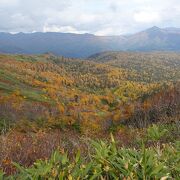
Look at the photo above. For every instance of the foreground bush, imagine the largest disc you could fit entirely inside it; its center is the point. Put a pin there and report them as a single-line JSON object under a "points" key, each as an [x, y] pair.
{"points": [[106, 161]]}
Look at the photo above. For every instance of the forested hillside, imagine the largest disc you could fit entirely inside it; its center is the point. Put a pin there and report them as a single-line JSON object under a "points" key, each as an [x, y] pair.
{"points": [[150, 67], [45, 100], [86, 93]]}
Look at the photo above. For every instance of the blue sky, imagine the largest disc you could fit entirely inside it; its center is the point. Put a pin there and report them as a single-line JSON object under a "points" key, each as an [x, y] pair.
{"points": [[100, 17]]}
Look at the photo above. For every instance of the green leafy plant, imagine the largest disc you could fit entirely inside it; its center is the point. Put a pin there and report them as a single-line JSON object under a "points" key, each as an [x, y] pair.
{"points": [[1, 174], [114, 163], [57, 167], [107, 161], [154, 132]]}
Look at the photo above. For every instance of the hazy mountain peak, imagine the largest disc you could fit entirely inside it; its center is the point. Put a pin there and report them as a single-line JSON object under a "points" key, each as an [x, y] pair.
{"points": [[153, 29], [84, 45]]}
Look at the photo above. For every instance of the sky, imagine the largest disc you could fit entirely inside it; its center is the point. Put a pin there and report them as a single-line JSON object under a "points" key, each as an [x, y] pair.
{"points": [[99, 17]]}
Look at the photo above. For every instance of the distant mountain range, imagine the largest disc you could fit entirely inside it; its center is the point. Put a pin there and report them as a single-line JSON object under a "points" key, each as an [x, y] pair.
{"points": [[84, 45]]}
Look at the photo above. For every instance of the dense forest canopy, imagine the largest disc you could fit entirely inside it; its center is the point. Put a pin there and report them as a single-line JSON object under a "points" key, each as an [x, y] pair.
{"points": [[107, 87]]}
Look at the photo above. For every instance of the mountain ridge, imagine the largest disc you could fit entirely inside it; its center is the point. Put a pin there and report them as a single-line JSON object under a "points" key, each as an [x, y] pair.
{"points": [[84, 45]]}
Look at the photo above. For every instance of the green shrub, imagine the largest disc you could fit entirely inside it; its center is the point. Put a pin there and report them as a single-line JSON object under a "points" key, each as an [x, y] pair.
{"points": [[107, 161], [1, 174], [57, 167], [123, 163], [155, 133], [5, 125]]}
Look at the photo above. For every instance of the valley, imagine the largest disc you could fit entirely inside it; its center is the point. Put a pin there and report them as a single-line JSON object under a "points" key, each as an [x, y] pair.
{"points": [[50, 102]]}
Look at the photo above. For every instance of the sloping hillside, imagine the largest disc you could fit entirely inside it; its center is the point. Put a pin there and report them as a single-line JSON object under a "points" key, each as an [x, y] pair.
{"points": [[68, 92], [149, 67], [50, 103]]}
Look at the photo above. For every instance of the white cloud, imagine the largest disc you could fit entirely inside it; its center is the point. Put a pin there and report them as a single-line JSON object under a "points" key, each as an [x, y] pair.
{"points": [[102, 17], [109, 31], [147, 17], [106, 31], [5, 3], [63, 29]]}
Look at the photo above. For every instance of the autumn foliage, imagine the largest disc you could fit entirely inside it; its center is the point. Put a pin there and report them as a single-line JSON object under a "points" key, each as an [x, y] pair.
{"points": [[50, 103]]}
